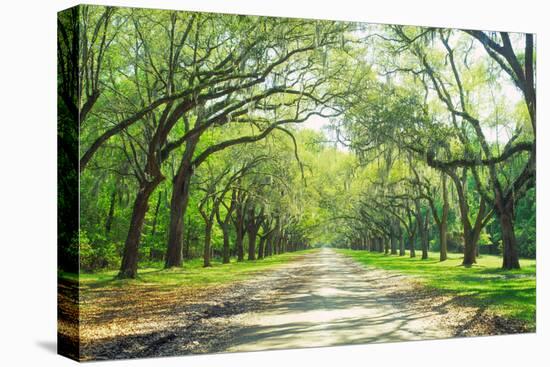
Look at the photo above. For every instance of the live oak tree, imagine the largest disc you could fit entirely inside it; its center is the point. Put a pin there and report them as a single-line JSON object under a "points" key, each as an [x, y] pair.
{"points": [[191, 144], [211, 75], [484, 159], [425, 58], [290, 95], [215, 185]]}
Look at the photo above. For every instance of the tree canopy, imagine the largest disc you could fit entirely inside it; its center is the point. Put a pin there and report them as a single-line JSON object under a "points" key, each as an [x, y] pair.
{"points": [[221, 136]]}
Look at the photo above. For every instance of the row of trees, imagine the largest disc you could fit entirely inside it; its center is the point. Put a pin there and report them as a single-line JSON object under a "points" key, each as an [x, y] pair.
{"points": [[189, 145], [242, 204], [163, 93], [456, 113]]}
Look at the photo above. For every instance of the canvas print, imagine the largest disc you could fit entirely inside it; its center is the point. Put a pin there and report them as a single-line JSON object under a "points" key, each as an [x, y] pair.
{"points": [[232, 183]]}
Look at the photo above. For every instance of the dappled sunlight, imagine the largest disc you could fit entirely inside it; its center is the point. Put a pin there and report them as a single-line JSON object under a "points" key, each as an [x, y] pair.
{"points": [[510, 293], [334, 301]]}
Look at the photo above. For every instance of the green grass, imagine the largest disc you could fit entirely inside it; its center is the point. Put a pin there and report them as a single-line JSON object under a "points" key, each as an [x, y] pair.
{"points": [[509, 293], [192, 273]]}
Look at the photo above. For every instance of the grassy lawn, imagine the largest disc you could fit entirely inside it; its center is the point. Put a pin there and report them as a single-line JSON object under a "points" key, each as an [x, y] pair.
{"points": [[191, 274], [507, 293]]}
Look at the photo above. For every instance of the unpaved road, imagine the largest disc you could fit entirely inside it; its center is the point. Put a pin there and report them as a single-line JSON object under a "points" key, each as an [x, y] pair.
{"points": [[332, 300], [321, 299]]}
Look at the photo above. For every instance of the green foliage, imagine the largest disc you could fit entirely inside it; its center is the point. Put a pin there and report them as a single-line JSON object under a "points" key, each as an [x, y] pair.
{"points": [[102, 254], [397, 109], [526, 225]]}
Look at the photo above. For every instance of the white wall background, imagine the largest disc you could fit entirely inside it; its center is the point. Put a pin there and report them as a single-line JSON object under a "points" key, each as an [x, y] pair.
{"points": [[28, 181]]}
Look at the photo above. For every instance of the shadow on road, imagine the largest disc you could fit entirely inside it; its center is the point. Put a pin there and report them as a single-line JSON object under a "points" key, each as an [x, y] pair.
{"points": [[330, 300]]}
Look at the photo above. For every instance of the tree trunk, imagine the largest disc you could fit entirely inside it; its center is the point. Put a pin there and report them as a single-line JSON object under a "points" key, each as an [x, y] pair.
{"points": [[128, 266], [411, 246], [282, 245], [510, 258], [239, 240], [109, 221], [443, 241], [178, 206], [226, 252], [207, 243], [253, 225], [442, 225], [155, 217], [420, 223], [401, 246], [252, 244], [274, 242], [471, 234], [269, 245], [186, 248], [472, 237], [187, 243], [469, 251], [424, 239], [393, 245], [261, 247]]}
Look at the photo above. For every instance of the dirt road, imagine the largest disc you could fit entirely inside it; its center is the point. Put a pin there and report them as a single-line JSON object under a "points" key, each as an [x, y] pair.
{"points": [[321, 299], [332, 300]]}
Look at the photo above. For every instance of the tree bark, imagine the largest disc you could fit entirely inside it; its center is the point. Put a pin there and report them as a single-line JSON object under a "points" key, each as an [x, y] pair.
{"points": [[393, 239], [510, 258], [109, 221], [252, 244], [470, 233], [261, 247], [425, 239], [472, 237], [239, 225], [207, 243], [444, 219], [224, 225], [155, 217], [128, 266], [253, 226], [226, 251], [178, 206], [239, 229], [269, 245], [443, 241], [469, 251], [279, 244], [411, 246], [187, 243], [420, 223]]}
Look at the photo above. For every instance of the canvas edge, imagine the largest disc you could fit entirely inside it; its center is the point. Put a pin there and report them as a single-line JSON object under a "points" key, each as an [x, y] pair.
{"points": [[68, 218]]}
